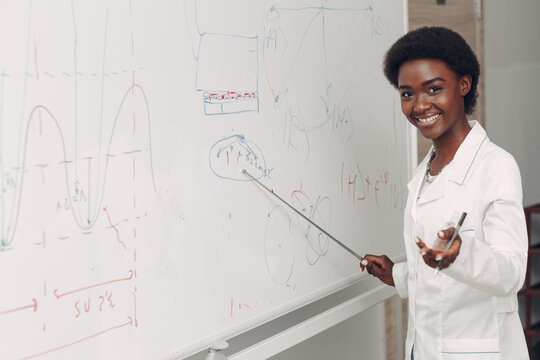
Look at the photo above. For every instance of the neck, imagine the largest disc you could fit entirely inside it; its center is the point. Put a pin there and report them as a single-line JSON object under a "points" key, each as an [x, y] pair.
{"points": [[447, 145]]}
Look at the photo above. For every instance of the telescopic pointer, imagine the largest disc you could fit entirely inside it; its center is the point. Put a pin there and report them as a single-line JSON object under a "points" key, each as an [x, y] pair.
{"points": [[243, 171]]}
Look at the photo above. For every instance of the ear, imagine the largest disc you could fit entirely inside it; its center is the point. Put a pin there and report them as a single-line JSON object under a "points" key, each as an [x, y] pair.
{"points": [[465, 84]]}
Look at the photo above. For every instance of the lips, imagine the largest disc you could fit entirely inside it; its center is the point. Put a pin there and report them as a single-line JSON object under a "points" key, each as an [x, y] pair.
{"points": [[427, 120]]}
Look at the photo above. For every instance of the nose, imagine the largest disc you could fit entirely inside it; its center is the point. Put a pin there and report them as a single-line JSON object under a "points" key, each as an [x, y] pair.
{"points": [[421, 104]]}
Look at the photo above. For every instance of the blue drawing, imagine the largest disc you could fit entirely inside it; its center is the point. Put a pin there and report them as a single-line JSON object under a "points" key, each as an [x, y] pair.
{"points": [[283, 231], [227, 69], [227, 74], [84, 222], [233, 153], [311, 55], [279, 248], [35, 116]]}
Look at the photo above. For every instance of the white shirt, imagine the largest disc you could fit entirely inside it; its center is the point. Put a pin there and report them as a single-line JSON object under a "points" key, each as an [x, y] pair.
{"points": [[469, 310]]}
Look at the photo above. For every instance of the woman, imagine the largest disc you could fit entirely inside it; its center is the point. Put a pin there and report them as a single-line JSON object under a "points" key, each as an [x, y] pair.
{"points": [[469, 309]]}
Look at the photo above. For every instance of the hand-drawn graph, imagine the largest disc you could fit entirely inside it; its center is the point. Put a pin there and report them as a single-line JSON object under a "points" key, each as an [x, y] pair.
{"points": [[319, 211], [280, 245], [283, 231], [227, 73], [227, 66], [303, 68], [68, 124]]}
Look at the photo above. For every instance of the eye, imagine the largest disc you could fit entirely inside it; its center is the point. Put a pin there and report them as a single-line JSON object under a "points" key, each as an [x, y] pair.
{"points": [[406, 94], [434, 89]]}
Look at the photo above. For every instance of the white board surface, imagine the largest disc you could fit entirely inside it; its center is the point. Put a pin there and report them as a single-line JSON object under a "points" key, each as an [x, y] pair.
{"points": [[127, 230]]}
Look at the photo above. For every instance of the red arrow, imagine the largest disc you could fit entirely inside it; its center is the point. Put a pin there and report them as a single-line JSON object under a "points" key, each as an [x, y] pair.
{"points": [[34, 306], [128, 323], [58, 296]]}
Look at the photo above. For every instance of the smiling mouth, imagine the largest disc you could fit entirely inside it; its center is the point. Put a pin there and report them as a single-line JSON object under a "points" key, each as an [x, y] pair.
{"points": [[427, 120]]}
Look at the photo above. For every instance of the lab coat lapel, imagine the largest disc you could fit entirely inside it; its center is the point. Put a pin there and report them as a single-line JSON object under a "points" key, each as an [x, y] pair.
{"points": [[414, 185], [436, 189], [457, 171]]}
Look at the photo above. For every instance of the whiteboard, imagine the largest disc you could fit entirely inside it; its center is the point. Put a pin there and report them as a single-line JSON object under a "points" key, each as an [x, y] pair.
{"points": [[127, 230]]}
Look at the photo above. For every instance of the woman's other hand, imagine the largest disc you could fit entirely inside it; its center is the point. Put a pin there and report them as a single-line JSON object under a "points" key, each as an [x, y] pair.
{"points": [[432, 256], [379, 266]]}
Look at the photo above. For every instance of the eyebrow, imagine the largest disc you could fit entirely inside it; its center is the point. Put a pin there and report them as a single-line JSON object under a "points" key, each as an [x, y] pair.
{"points": [[427, 82]]}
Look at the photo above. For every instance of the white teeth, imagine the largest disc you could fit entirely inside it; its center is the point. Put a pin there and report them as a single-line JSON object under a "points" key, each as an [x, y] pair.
{"points": [[429, 119]]}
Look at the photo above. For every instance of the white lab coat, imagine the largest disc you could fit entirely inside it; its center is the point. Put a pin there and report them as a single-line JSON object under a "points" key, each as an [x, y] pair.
{"points": [[469, 310]]}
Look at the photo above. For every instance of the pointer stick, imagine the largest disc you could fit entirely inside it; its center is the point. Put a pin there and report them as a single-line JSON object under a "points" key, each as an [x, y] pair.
{"points": [[302, 215]]}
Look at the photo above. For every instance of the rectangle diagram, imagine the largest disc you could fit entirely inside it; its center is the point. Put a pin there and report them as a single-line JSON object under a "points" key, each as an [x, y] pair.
{"points": [[227, 73]]}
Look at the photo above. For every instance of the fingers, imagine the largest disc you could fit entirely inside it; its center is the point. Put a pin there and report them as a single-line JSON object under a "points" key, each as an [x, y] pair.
{"points": [[424, 250], [450, 256], [446, 234], [369, 262], [452, 252], [378, 260], [429, 257], [378, 266], [432, 257]]}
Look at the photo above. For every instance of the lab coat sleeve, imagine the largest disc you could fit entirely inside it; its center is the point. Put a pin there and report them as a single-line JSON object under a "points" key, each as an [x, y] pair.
{"points": [[399, 274], [497, 263]]}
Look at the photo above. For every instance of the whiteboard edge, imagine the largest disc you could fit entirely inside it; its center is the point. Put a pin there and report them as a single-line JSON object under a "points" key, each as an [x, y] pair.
{"points": [[412, 134], [315, 325], [264, 318]]}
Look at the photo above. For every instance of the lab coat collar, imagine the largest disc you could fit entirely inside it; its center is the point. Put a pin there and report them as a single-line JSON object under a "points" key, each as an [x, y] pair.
{"points": [[461, 165], [457, 170]]}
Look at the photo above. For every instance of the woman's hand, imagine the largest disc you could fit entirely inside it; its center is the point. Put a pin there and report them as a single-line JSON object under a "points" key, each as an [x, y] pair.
{"points": [[433, 256], [380, 267]]}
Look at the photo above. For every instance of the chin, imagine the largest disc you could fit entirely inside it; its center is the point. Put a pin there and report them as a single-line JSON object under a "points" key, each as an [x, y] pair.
{"points": [[430, 134]]}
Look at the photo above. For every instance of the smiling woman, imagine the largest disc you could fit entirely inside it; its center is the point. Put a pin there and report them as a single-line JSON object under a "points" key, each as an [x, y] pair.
{"points": [[469, 310], [432, 98], [446, 72]]}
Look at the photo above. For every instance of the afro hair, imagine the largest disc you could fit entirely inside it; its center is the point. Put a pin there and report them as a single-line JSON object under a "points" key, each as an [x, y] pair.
{"points": [[435, 43]]}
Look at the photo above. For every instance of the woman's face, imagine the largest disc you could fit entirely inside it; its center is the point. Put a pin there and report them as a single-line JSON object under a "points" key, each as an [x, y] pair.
{"points": [[432, 97]]}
